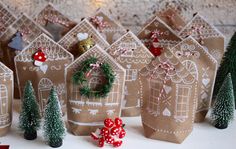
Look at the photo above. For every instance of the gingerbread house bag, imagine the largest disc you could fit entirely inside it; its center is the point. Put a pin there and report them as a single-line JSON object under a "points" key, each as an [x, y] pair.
{"points": [[201, 65], [207, 35], [54, 21], [158, 36], [130, 53], [95, 85], [16, 37], [168, 96], [6, 98], [43, 62]]}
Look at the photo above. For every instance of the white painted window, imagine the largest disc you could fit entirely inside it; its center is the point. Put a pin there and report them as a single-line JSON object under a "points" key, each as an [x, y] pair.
{"points": [[131, 74], [3, 100], [153, 103]]}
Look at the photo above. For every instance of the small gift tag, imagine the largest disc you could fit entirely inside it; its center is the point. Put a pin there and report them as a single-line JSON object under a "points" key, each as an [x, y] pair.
{"points": [[43, 62], [130, 53], [74, 41], [202, 65], [157, 36], [110, 29], [54, 22], [168, 96], [18, 36], [89, 103], [6, 98], [207, 35]]}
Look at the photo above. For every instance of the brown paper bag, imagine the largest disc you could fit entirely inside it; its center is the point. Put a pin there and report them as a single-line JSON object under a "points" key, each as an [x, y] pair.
{"points": [[87, 114], [130, 53], [165, 36], [70, 41], [168, 96], [207, 35], [202, 65], [54, 22], [6, 19], [23, 25], [173, 18], [110, 29], [6, 99], [50, 73]]}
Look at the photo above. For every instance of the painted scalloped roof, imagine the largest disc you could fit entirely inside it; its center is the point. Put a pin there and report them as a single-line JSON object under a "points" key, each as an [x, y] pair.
{"points": [[4, 69], [70, 39], [207, 31], [180, 74], [140, 55], [102, 56], [54, 51]]}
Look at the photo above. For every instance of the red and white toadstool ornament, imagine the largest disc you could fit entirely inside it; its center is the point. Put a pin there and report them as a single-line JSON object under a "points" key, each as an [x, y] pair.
{"points": [[39, 58], [111, 133]]}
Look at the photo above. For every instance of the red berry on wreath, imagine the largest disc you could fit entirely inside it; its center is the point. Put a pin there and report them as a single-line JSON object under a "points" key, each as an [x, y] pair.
{"points": [[122, 133], [104, 131], [108, 122], [101, 142], [118, 122], [115, 130], [109, 139], [117, 143]]}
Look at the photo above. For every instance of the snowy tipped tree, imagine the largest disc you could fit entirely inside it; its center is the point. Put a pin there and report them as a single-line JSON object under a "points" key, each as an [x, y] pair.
{"points": [[227, 66], [29, 120], [223, 108], [54, 128]]}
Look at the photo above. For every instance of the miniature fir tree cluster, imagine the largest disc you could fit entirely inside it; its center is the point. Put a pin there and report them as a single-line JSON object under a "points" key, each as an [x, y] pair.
{"points": [[29, 120]]}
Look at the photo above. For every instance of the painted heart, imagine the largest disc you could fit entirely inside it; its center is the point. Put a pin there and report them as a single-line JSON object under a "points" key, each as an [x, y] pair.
{"points": [[205, 81], [43, 68], [156, 24], [204, 95], [167, 89], [147, 32], [166, 112], [82, 36]]}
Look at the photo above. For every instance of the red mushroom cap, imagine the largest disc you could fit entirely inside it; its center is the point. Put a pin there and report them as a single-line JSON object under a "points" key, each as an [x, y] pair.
{"points": [[40, 56], [108, 122], [104, 131], [115, 130], [122, 133], [101, 142], [117, 143], [118, 122], [109, 139]]}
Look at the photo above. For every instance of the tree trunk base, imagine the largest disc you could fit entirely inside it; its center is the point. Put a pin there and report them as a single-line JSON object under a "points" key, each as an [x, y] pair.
{"points": [[56, 144], [222, 126], [30, 136]]}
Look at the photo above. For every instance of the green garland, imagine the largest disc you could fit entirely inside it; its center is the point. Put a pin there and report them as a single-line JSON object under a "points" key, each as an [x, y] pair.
{"points": [[79, 78]]}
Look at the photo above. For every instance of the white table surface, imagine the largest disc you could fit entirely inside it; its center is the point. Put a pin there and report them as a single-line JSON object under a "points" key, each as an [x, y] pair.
{"points": [[204, 136]]}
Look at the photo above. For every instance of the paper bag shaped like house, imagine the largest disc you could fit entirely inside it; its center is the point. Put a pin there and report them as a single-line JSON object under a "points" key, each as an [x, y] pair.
{"points": [[201, 65], [54, 22], [173, 18], [109, 28], [70, 40], [6, 19], [130, 53], [166, 39], [87, 114], [207, 35], [50, 73], [6, 98], [168, 96], [18, 35]]}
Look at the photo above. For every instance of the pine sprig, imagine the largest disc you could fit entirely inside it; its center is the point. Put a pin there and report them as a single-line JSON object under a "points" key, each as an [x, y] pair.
{"points": [[79, 78]]}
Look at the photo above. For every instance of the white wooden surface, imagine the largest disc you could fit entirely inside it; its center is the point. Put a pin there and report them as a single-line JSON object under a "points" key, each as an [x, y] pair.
{"points": [[204, 136]]}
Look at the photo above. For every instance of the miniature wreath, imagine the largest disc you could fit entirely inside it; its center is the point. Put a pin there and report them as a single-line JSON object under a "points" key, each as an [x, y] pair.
{"points": [[80, 78]]}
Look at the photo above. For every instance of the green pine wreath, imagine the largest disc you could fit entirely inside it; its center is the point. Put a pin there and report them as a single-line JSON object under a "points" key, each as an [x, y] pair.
{"points": [[79, 78]]}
